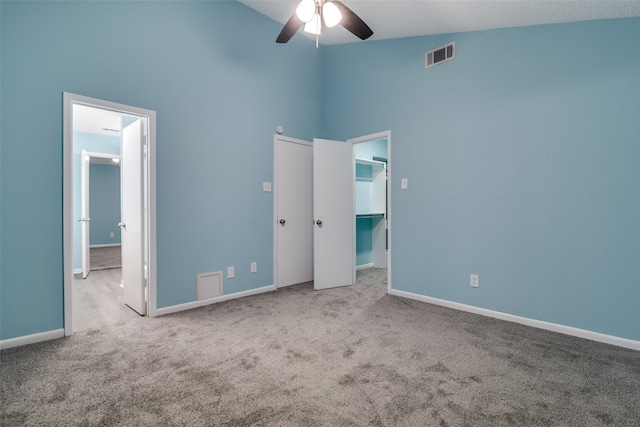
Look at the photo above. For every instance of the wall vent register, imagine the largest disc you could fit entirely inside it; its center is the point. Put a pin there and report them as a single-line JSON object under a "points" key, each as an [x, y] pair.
{"points": [[440, 55], [209, 285]]}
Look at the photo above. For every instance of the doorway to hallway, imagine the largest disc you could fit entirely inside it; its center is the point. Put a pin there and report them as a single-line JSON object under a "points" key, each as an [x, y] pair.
{"points": [[130, 135]]}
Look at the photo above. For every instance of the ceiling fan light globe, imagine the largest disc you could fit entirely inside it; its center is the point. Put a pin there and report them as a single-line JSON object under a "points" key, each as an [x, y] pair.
{"points": [[306, 10], [314, 26], [331, 14]]}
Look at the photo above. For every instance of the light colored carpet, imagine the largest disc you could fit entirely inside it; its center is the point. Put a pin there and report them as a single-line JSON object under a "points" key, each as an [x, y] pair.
{"points": [[105, 258], [342, 357]]}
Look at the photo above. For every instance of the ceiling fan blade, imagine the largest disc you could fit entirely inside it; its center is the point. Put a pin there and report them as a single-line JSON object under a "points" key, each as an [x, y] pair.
{"points": [[290, 28], [352, 22]]}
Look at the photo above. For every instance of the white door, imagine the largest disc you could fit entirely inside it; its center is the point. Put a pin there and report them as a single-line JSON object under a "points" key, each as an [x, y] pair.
{"points": [[131, 225], [333, 177], [294, 218], [84, 214]]}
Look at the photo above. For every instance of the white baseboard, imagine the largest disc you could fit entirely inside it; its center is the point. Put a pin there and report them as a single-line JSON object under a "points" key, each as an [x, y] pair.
{"points": [[77, 270], [106, 245], [31, 339], [363, 266], [554, 327], [196, 304]]}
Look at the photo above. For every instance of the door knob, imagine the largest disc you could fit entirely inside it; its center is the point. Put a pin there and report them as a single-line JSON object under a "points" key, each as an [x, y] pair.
{"points": [[122, 225], [282, 221], [319, 223]]}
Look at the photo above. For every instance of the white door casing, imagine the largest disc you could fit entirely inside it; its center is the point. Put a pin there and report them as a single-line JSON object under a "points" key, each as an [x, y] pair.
{"points": [[132, 218], [333, 212], [293, 211]]}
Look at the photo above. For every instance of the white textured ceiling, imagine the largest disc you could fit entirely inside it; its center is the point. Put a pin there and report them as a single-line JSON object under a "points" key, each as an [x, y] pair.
{"points": [[405, 18]]}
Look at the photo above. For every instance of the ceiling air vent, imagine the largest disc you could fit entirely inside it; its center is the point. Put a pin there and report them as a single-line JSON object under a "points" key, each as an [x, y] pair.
{"points": [[439, 55]]}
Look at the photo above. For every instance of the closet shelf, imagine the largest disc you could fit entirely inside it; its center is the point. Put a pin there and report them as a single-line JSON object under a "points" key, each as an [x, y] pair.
{"points": [[370, 215], [371, 162]]}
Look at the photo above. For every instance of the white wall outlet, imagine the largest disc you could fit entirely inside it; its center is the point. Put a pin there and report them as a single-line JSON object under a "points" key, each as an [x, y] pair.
{"points": [[404, 184], [112, 234], [266, 186], [474, 281], [231, 272], [254, 267]]}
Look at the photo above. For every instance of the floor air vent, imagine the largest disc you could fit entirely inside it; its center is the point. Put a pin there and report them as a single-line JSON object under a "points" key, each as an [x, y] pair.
{"points": [[439, 55]]}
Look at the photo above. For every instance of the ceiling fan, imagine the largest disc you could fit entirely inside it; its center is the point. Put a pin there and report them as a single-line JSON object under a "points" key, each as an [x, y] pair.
{"points": [[312, 14]]}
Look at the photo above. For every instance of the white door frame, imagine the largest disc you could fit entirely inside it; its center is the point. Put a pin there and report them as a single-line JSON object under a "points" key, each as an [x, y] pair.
{"points": [[276, 214], [85, 194], [69, 99], [366, 138]]}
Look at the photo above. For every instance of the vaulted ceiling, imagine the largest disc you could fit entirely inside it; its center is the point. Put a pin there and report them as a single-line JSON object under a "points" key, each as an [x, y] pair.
{"points": [[405, 18]]}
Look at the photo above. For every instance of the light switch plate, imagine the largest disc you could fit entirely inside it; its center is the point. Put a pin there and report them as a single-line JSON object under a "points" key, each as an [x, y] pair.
{"points": [[266, 186], [404, 184]]}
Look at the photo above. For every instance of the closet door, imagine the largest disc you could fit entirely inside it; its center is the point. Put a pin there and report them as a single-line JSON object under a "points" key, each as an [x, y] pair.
{"points": [[333, 212], [294, 213]]}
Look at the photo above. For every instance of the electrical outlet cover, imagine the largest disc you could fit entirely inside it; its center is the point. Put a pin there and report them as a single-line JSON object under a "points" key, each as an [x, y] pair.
{"points": [[475, 280]]}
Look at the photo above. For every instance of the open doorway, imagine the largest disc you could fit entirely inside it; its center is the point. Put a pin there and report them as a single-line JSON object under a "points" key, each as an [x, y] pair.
{"points": [[102, 210], [98, 294], [371, 157], [114, 141]]}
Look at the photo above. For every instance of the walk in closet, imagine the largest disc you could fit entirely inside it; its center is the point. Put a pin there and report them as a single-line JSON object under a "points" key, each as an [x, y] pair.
{"points": [[371, 213]]}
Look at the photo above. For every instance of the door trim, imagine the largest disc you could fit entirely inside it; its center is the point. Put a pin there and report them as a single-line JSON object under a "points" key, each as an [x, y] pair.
{"points": [[277, 138], [372, 137], [69, 99]]}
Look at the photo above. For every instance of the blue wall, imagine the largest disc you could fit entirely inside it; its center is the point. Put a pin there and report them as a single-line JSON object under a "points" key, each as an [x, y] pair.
{"points": [[104, 204], [364, 243], [219, 85], [521, 154], [522, 158]]}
